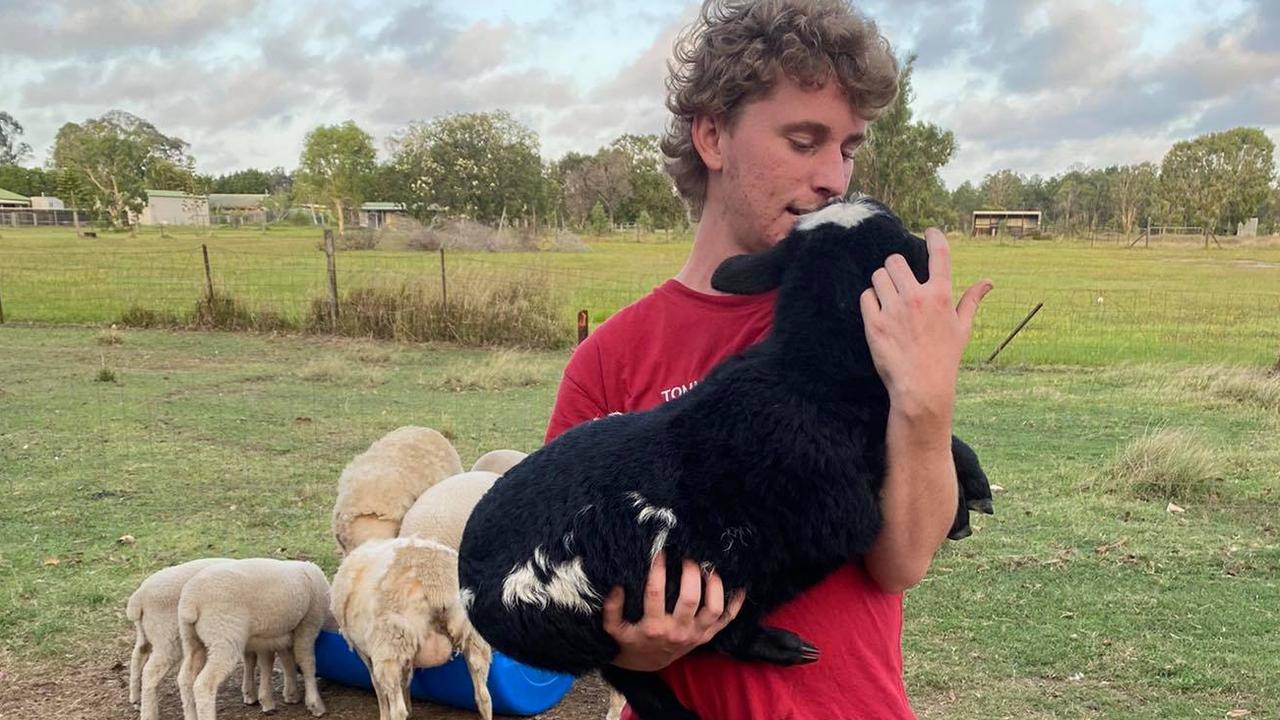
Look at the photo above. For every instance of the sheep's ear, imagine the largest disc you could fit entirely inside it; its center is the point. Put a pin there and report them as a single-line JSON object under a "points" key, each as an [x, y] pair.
{"points": [[749, 274]]}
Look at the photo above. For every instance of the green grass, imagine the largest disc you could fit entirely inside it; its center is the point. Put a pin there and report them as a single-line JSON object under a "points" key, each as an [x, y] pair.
{"points": [[1102, 304], [1077, 599]]}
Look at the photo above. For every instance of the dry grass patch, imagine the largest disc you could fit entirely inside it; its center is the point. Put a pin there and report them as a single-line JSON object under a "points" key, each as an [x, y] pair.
{"points": [[502, 369], [1166, 464]]}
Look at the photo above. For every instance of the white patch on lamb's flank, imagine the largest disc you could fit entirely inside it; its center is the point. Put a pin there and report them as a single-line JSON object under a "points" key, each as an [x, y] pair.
{"points": [[663, 515], [540, 558], [737, 534], [567, 587], [848, 215], [636, 499], [467, 598]]}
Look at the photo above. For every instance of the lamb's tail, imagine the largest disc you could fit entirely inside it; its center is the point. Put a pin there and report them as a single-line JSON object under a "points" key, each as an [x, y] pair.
{"points": [[133, 610], [187, 617]]}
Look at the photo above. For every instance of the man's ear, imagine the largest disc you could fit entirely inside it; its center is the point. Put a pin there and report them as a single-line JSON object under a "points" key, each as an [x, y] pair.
{"points": [[706, 131], [749, 274]]}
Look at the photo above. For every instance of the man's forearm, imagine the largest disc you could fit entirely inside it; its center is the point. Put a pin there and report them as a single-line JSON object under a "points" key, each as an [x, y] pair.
{"points": [[918, 501]]}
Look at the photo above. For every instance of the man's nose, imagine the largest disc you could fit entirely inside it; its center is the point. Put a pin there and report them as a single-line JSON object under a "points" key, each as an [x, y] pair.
{"points": [[830, 172]]}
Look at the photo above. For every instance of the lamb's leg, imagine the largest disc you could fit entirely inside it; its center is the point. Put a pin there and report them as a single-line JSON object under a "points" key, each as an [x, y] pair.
{"points": [[160, 661], [220, 663], [649, 697], [141, 651], [194, 655], [304, 653], [746, 639], [249, 678], [266, 696], [292, 693], [479, 657], [388, 683]]}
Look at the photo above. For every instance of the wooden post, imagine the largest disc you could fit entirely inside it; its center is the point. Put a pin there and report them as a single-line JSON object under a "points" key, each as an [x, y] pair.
{"points": [[208, 277], [583, 329], [333, 279], [444, 288], [1016, 330], [1, 312]]}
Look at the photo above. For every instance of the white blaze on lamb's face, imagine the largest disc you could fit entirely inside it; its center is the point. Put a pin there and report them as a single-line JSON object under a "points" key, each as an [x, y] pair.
{"points": [[567, 586], [847, 215]]}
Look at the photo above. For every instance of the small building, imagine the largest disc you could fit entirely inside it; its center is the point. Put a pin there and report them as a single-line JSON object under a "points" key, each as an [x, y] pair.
{"points": [[237, 208], [377, 215], [13, 200], [46, 202], [1015, 223], [171, 207]]}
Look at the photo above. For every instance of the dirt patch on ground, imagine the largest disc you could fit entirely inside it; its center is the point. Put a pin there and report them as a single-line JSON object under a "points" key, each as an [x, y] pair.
{"points": [[101, 692]]}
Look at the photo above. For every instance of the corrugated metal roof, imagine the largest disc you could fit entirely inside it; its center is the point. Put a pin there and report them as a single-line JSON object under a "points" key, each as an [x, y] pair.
{"points": [[172, 194], [382, 206], [219, 201], [13, 197]]}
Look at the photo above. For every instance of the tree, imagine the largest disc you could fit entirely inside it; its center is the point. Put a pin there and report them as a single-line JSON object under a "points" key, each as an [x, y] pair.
{"points": [[652, 190], [899, 163], [113, 157], [248, 182], [604, 178], [598, 221], [1218, 179], [12, 151], [1002, 190], [28, 181], [335, 161], [1133, 193], [483, 165], [964, 200]]}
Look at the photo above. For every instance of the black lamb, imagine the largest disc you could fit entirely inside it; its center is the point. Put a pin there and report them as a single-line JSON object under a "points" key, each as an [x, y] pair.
{"points": [[768, 471]]}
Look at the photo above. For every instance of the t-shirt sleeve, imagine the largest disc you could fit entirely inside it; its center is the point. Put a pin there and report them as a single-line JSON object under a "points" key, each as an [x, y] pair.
{"points": [[581, 396]]}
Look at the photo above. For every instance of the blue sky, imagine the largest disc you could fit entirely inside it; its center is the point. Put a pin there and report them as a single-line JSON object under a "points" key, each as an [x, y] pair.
{"points": [[1031, 85]]}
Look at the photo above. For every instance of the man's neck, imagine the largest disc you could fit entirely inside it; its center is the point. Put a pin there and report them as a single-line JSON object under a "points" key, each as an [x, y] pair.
{"points": [[711, 246]]}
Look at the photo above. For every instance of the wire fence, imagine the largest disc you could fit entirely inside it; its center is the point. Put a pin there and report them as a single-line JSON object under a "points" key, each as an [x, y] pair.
{"points": [[1074, 325]]}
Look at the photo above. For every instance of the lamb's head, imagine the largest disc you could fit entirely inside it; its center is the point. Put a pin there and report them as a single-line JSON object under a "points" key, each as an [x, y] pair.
{"points": [[821, 269]]}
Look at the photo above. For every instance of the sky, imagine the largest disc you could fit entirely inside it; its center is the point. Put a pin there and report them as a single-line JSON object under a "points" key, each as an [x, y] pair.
{"points": [[1030, 85]]}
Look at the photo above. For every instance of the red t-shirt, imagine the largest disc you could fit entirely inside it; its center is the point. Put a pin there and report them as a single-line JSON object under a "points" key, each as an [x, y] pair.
{"points": [[655, 350]]}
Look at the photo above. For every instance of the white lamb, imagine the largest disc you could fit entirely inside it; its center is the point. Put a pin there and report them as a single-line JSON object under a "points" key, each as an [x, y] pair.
{"points": [[397, 604], [249, 606], [441, 512], [157, 650], [380, 484], [499, 461]]}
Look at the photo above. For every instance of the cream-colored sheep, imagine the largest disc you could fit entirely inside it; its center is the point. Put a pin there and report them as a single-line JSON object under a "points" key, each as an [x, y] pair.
{"points": [[255, 606], [380, 484], [397, 604], [441, 512], [499, 461]]}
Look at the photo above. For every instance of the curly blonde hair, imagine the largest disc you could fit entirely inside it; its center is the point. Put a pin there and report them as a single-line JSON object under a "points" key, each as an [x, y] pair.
{"points": [[733, 52]]}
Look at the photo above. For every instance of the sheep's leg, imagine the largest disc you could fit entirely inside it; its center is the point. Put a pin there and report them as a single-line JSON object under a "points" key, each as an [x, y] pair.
{"points": [[160, 661], [388, 682], [649, 697], [266, 663], [292, 694], [752, 641], [141, 651], [249, 678], [304, 653], [406, 678], [219, 663], [479, 656], [193, 661]]}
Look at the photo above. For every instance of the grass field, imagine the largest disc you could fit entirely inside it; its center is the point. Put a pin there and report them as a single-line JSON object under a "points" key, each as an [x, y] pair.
{"points": [[1103, 304], [1083, 597]]}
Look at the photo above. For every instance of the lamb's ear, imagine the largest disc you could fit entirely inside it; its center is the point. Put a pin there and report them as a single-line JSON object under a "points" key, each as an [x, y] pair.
{"points": [[749, 274]]}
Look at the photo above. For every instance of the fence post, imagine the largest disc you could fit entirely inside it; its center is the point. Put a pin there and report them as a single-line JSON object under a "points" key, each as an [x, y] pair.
{"points": [[583, 329], [208, 277], [1, 312], [333, 279], [444, 289], [1016, 330]]}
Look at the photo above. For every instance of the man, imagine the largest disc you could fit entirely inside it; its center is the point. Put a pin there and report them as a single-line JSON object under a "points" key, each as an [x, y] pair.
{"points": [[770, 100]]}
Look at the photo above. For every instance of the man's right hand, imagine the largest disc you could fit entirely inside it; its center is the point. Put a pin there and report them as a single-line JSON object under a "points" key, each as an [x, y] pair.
{"points": [[660, 638]]}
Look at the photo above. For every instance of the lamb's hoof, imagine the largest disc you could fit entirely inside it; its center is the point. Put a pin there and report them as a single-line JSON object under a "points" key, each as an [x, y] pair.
{"points": [[292, 698], [983, 506], [781, 647], [316, 708], [268, 711], [960, 534], [250, 700]]}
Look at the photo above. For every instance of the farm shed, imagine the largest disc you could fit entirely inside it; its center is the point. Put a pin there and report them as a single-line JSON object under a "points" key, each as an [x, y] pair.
{"points": [[1017, 223], [170, 207]]}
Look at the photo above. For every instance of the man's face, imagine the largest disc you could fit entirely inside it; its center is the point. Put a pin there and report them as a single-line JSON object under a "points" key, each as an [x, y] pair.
{"points": [[787, 153]]}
